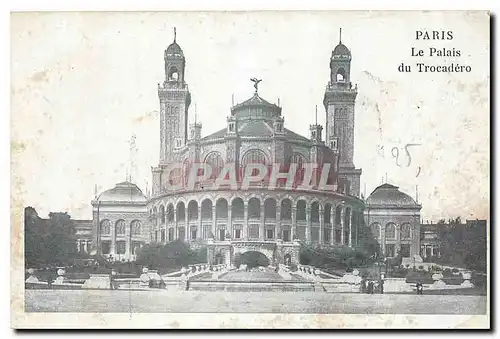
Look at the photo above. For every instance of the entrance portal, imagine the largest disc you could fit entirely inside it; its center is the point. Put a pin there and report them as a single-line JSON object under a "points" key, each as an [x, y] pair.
{"points": [[253, 259]]}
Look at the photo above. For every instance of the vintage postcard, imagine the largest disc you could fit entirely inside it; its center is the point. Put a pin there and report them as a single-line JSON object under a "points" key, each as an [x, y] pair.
{"points": [[306, 169]]}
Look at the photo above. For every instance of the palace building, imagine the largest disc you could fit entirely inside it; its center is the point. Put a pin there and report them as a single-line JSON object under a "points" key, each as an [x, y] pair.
{"points": [[274, 222]]}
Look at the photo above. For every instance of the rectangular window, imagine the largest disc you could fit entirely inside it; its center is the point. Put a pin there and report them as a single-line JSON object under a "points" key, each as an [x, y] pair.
{"points": [[326, 235], [286, 235], [314, 234], [269, 234], [338, 236], [301, 233], [105, 247], [237, 234], [170, 234], [182, 233], [405, 250], [222, 233], [120, 247], [162, 235], [389, 250], [193, 234]]}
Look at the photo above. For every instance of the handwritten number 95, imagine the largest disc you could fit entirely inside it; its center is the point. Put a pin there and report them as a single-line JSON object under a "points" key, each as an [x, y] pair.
{"points": [[395, 154]]}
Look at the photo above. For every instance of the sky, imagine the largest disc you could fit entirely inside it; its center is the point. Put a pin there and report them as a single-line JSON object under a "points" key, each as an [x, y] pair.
{"points": [[83, 83]]}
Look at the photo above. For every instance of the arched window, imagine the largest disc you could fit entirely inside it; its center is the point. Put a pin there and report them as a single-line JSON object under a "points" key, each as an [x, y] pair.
{"points": [[315, 212], [181, 212], [375, 229], [338, 215], [206, 209], [105, 227], [162, 214], [216, 162], [192, 210], [390, 231], [154, 217], [237, 209], [120, 227], [327, 213], [270, 209], [286, 209], [173, 74], [135, 227], [170, 212], [300, 160], [301, 210], [406, 231], [254, 208], [221, 208], [340, 75], [254, 156]]}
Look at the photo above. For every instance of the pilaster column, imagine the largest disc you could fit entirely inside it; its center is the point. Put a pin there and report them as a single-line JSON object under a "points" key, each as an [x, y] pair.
{"points": [[199, 232], [350, 227], [214, 221], [398, 238], [321, 224], [78, 246], [128, 231], [278, 234], [262, 222], [113, 239], [230, 220], [186, 226], [342, 222], [332, 222], [175, 226], [87, 245], [382, 238], [308, 224], [294, 221], [245, 221]]}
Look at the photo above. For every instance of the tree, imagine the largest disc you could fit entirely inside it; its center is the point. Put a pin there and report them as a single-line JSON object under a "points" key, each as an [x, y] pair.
{"points": [[48, 241]]}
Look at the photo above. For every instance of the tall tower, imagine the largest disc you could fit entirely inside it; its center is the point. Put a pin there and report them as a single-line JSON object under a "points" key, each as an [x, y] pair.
{"points": [[339, 100], [174, 103]]}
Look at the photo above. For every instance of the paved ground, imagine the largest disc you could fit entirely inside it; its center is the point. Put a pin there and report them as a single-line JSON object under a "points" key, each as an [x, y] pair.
{"points": [[249, 302]]}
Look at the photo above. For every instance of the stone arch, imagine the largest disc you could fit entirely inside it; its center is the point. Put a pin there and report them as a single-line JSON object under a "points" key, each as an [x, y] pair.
{"points": [[193, 210], [301, 210], [215, 160], [206, 209], [162, 214], [406, 231], [135, 227], [315, 211], [170, 212], [286, 209], [221, 208], [254, 209], [120, 227], [105, 227], [390, 230], [270, 208], [327, 213], [181, 211], [237, 208]]}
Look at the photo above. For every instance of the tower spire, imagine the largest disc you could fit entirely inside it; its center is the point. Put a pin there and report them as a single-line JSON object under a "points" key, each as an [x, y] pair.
{"points": [[175, 34], [316, 122], [340, 36], [195, 113]]}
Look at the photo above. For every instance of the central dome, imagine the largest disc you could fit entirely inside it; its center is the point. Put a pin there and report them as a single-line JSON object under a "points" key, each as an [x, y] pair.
{"points": [[390, 195], [256, 107], [123, 192], [341, 51], [174, 49]]}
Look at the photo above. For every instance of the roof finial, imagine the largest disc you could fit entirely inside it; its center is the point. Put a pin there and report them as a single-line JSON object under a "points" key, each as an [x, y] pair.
{"points": [[316, 115], [256, 83], [95, 190], [340, 36], [195, 113], [175, 34]]}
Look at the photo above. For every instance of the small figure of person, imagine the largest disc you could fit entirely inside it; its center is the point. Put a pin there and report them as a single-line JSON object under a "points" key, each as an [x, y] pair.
{"points": [[420, 288], [370, 287], [363, 286], [381, 284]]}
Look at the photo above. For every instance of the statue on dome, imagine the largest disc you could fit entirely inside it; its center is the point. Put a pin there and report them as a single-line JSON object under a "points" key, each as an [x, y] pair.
{"points": [[256, 83]]}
